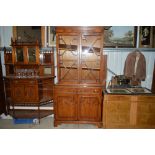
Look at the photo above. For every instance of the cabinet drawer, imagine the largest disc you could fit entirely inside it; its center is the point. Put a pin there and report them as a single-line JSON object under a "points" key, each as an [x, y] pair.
{"points": [[64, 90], [31, 82], [24, 81], [117, 97], [85, 90], [146, 99], [82, 90]]}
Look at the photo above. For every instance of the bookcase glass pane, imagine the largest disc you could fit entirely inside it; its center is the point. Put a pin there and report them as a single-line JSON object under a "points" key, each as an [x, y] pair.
{"points": [[90, 58], [68, 55], [32, 55], [19, 55]]}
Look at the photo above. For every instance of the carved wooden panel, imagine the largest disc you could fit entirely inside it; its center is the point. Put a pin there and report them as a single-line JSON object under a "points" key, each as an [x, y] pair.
{"points": [[18, 93], [25, 91], [30, 94]]}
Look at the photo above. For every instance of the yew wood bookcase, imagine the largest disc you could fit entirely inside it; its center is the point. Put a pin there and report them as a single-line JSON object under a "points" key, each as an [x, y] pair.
{"points": [[81, 75]]}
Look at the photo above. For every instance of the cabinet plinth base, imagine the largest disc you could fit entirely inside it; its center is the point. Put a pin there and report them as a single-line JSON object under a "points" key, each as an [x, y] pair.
{"points": [[98, 124]]}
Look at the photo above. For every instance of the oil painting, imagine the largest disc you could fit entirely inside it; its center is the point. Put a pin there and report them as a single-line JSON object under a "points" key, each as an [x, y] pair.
{"points": [[120, 36]]}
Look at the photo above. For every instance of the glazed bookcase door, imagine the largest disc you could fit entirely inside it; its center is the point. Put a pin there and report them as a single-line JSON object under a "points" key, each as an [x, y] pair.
{"points": [[90, 58], [19, 55], [31, 55], [68, 58]]}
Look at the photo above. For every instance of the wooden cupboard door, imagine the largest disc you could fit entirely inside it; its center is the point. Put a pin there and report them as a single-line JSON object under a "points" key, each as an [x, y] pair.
{"points": [[31, 93], [89, 108], [25, 91], [117, 113], [19, 93], [66, 107], [146, 114]]}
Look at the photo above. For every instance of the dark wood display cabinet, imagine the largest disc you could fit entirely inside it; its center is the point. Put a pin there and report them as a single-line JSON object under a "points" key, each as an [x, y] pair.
{"points": [[29, 76], [81, 75]]}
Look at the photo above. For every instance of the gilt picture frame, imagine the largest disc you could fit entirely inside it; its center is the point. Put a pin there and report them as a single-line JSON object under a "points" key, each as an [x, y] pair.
{"points": [[145, 36], [120, 36]]}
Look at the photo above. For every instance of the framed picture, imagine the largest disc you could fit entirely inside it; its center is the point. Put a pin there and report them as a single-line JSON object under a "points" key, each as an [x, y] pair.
{"points": [[145, 36], [120, 36], [51, 36]]}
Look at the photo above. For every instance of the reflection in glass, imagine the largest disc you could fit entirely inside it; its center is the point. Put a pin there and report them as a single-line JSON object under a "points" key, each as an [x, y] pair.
{"points": [[68, 57], [32, 54], [90, 58], [19, 55]]}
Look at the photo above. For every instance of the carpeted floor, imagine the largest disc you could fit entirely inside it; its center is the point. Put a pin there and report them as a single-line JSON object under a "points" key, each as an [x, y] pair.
{"points": [[46, 123]]}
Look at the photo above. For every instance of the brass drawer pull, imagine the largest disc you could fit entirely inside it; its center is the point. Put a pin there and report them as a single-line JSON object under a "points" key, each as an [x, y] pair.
{"points": [[95, 91]]}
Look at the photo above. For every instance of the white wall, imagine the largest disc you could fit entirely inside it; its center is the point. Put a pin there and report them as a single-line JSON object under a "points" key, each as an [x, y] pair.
{"points": [[5, 35], [5, 40]]}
